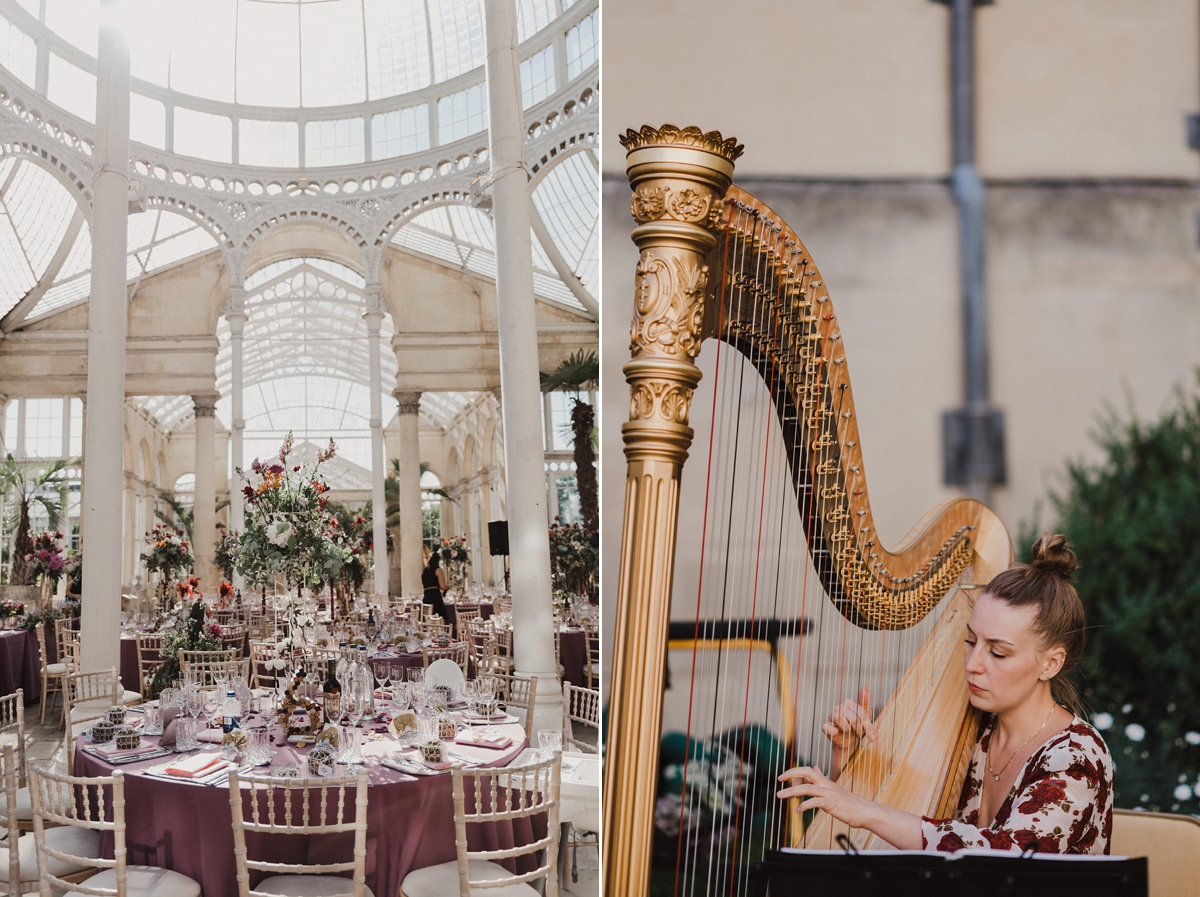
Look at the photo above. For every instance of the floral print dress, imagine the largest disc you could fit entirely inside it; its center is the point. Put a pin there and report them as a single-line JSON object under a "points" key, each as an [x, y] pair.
{"points": [[1062, 802]]}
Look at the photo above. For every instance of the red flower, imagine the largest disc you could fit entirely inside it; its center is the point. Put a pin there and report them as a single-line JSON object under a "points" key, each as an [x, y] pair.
{"points": [[1045, 793], [950, 842], [1031, 840], [1083, 833], [1000, 840]]}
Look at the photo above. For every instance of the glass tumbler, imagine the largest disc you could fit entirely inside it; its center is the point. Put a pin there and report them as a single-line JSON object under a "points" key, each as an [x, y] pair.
{"points": [[549, 741], [152, 720]]}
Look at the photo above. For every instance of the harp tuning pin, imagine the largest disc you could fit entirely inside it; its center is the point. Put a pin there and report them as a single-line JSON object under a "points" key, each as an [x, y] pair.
{"points": [[847, 414], [858, 492]]}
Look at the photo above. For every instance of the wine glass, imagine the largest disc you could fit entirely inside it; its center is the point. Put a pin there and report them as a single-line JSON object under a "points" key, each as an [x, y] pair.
{"points": [[196, 699], [416, 674], [385, 678]]}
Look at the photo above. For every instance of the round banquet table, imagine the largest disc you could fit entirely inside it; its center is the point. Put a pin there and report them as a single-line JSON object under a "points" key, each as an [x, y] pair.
{"points": [[572, 650], [185, 826], [21, 663]]}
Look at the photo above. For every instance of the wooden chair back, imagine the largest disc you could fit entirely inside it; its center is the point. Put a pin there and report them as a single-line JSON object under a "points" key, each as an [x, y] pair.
{"points": [[1171, 843], [515, 792], [204, 664], [518, 693], [233, 636], [261, 675], [592, 636], [12, 827], [77, 801], [580, 705], [292, 806], [456, 653], [149, 652], [12, 719], [464, 613]]}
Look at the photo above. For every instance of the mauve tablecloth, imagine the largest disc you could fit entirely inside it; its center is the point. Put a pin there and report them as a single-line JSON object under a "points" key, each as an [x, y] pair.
{"points": [[410, 822], [20, 664], [485, 612], [130, 676]]}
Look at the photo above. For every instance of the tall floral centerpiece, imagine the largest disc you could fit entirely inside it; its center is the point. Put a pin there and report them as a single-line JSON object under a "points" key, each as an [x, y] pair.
{"points": [[286, 523], [169, 555], [456, 556], [190, 631], [46, 563], [286, 534]]}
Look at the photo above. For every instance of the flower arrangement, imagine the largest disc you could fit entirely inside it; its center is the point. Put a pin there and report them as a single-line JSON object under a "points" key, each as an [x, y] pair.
{"points": [[10, 609], [574, 558], [455, 557], [225, 592], [170, 555], [189, 588], [46, 559], [190, 632], [286, 522], [66, 610]]}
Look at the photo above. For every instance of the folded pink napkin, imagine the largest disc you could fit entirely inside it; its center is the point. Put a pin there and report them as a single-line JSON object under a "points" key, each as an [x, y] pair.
{"points": [[110, 752], [195, 765], [479, 739]]}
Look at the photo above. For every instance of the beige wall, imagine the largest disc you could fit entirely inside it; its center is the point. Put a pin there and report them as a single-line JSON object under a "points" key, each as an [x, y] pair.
{"points": [[858, 88]]}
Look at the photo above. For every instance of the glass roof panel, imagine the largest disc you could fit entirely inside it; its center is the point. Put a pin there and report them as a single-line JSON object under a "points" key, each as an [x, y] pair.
{"points": [[456, 32], [397, 47], [567, 201], [332, 79], [268, 54], [18, 51]]}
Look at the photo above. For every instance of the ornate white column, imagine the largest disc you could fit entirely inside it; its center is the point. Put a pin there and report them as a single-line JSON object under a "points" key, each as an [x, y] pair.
{"points": [[235, 315], [204, 530], [533, 612], [3, 453], [409, 483], [107, 310], [374, 317]]}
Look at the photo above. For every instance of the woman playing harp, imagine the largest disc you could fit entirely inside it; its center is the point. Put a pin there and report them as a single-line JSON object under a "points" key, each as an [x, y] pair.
{"points": [[1040, 777]]}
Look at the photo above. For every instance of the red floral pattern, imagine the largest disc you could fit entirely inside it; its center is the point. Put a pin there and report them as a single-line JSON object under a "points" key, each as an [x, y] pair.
{"points": [[1061, 802]]}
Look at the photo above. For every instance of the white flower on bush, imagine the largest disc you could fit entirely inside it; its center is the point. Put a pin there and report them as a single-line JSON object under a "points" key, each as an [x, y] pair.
{"points": [[279, 531], [1134, 732], [1182, 792], [1192, 738], [1103, 721]]}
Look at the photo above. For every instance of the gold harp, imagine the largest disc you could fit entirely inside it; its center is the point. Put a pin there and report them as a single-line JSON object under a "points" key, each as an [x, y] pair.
{"points": [[717, 264]]}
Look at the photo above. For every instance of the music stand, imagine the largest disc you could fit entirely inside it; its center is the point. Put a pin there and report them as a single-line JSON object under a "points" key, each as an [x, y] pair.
{"points": [[974, 873]]}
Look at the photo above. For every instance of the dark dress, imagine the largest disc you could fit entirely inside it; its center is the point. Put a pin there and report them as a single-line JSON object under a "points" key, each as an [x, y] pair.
{"points": [[433, 592]]}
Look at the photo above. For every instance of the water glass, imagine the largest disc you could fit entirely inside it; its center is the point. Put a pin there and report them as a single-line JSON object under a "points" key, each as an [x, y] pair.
{"points": [[258, 752], [152, 723], [549, 741], [351, 752], [400, 696], [188, 729]]}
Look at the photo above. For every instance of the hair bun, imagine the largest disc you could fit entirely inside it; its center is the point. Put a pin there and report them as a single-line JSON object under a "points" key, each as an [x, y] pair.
{"points": [[1052, 554]]}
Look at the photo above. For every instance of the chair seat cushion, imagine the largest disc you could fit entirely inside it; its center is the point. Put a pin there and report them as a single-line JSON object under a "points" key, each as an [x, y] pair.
{"points": [[147, 881], [81, 842], [309, 886], [86, 710], [56, 669], [442, 881], [24, 807]]}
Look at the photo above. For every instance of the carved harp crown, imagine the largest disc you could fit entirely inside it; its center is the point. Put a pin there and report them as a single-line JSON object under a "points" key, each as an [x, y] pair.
{"points": [[717, 264]]}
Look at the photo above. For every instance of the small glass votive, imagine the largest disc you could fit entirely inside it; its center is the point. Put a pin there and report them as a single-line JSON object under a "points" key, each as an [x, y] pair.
{"points": [[152, 723]]}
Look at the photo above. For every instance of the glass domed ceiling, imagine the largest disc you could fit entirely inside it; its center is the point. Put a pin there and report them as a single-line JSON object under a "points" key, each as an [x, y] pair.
{"points": [[223, 79]]}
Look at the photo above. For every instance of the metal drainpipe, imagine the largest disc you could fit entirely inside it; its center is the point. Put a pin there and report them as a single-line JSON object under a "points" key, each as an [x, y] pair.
{"points": [[974, 433]]}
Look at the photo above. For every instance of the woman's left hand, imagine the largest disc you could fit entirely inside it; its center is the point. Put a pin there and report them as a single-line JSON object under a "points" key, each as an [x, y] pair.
{"points": [[822, 793]]}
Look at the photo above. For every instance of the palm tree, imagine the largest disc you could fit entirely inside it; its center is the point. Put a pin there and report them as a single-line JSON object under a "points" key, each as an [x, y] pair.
{"points": [[391, 491], [183, 517], [17, 478], [580, 371]]}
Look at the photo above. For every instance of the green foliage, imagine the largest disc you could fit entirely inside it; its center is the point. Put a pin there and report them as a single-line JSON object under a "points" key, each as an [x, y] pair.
{"points": [[579, 371], [1134, 521], [191, 633], [23, 484]]}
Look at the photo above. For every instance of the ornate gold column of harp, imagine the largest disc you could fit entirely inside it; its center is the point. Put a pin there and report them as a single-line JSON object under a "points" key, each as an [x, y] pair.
{"points": [[717, 264]]}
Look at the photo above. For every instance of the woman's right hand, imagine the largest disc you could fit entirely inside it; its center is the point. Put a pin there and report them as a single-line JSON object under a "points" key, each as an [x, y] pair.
{"points": [[850, 721]]}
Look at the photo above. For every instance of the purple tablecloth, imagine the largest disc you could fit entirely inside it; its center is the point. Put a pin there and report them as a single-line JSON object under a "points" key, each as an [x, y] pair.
{"points": [[410, 822], [130, 675], [572, 649], [485, 612], [21, 664]]}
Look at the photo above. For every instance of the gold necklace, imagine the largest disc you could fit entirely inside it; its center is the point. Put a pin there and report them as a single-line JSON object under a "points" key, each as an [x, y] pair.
{"points": [[996, 775]]}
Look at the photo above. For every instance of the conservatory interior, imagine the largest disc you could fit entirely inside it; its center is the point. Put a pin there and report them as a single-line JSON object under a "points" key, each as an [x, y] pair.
{"points": [[350, 237]]}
